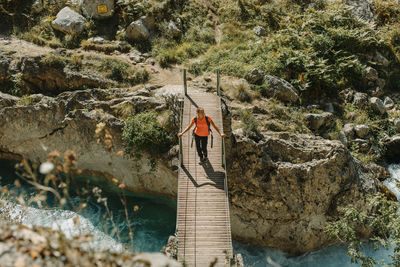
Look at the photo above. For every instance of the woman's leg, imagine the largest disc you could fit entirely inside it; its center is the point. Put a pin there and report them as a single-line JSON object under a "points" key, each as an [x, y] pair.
{"points": [[198, 146], [204, 141]]}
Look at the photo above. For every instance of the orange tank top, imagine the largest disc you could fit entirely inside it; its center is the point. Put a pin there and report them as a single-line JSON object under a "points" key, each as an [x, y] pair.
{"points": [[202, 127]]}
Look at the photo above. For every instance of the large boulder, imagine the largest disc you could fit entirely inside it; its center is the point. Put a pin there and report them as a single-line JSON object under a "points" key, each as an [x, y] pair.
{"points": [[137, 31], [281, 89], [97, 9], [377, 105], [285, 188], [69, 21]]}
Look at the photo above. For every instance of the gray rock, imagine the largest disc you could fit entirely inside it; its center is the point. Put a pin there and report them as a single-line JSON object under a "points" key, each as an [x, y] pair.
{"points": [[255, 76], [349, 131], [137, 31], [69, 21], [97, 39], [396, 123], [97, 9], [379, 58], [5, 74], [372, 74], [361, 9], [377, 105], [343, 138], [37, 6], [360, 99], [136, 57], [281, 89], [392, 148], [259, 31], [173, 29], [362, 130], [149, 22], [316, 121], [329, 107], [388, 102]]}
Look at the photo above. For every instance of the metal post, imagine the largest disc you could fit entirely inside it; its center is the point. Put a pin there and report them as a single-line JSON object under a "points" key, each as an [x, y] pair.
{"points": [[223, 153], [184, 81], [180, 152], [218, 85]]}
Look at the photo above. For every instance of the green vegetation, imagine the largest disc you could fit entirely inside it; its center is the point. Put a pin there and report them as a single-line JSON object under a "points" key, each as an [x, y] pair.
{"points": [[143, 132], [250, 124], [379, 221]]}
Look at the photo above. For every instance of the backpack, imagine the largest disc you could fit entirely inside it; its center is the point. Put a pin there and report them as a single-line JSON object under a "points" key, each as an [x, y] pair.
{"points": [[208, 124]]}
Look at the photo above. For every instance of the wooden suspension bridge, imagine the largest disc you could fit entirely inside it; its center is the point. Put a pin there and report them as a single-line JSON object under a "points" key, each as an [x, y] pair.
{"points": [[203, 222]]}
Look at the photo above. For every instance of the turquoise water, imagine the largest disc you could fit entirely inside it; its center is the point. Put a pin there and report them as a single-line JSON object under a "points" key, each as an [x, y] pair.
{"points": [[154, 222]]}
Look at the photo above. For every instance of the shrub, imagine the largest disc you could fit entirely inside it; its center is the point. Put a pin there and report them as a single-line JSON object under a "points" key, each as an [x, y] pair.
{"points": [[116, 69], [242, 93], [54, 60], [141, 76], [250, 124], [143, 132]]}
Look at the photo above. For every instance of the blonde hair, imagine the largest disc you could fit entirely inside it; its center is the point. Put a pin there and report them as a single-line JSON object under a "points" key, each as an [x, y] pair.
{"points": [[200, 109]]}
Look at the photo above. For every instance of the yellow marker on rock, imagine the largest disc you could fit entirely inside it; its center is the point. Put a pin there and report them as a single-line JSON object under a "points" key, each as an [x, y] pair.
{"points": [[102, 9]]}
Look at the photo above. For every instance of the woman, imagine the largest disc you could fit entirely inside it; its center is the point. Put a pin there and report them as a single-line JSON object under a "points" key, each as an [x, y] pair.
{"points": [[201, 133]]}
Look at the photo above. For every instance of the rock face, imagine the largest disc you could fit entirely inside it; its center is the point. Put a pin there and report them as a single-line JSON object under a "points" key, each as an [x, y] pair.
{"points": [[69, 122], [285, 188], [281, 89], [137, 31], [48, 77], [97, 9], [68, 21]]}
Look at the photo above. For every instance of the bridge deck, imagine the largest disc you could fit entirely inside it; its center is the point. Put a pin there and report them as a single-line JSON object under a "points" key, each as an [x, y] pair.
{"points": [[203, 225]]}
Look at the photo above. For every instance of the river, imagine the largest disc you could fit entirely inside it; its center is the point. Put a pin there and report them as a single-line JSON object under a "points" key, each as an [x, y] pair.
{"points": [[154, 221]]}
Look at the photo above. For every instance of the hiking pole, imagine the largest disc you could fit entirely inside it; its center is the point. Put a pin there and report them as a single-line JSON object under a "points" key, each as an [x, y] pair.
{"points": [[191, 145], [212, 140]]}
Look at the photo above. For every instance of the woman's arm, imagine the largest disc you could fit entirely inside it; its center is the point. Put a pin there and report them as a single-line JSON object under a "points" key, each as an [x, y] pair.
{"points": [[187, 129], [216, 128]]}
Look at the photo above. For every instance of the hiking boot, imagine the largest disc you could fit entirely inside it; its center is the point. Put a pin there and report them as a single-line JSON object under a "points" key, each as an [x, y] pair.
{"points": [[205, 159], [201, 161]]}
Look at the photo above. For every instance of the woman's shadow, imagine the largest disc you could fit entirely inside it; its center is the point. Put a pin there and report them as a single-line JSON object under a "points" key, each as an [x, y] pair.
{"points": [[216, 177]]}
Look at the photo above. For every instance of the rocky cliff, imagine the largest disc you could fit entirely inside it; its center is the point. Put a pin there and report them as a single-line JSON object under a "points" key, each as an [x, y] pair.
{"points": [[283, 188]]}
